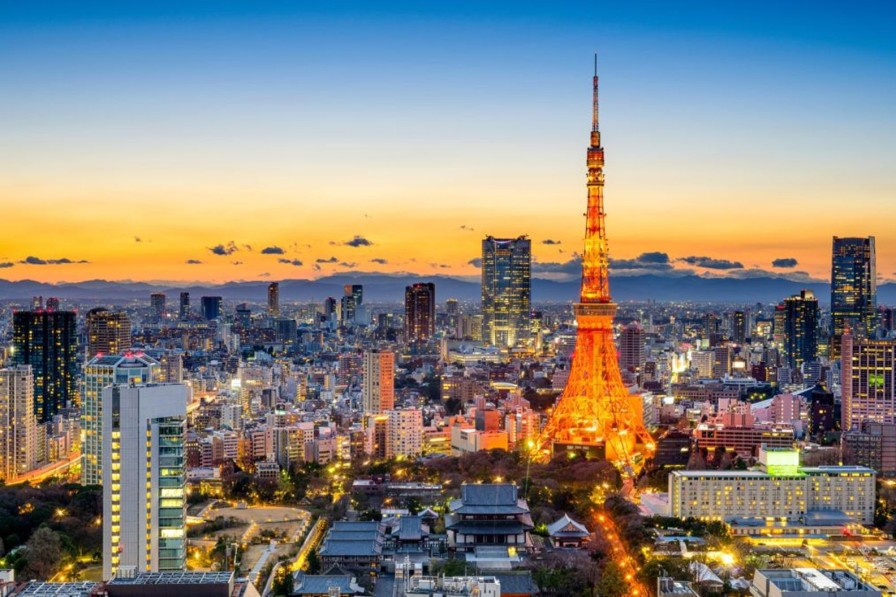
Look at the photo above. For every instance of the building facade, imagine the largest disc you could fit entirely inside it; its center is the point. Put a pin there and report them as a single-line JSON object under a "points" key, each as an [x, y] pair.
{"points": [[800, 329], [144, 478], [274, 298], [779, 489], [47, 340], [99, 372], [18, 424], [506, 290], [108, 332], [419, 312], [853, 288], [867, 381], [378, 388]]}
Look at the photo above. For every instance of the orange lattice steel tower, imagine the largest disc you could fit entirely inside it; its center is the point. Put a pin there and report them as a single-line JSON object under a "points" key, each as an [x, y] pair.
{"points": [[596, 416]]}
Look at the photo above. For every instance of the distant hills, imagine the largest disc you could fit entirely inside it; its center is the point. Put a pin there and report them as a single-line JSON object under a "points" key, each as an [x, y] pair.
{"points": [[390, 288]]}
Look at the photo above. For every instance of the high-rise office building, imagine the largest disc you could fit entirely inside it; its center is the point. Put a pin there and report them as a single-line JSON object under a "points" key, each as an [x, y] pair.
{"points": [[48, 342], [18, 425], [867, 381], [157, 302], [352, 299], [853, 289], [184, 311], [739, 327], [108, 332], [419, 311], [210, 307], [52, 303], [274, 298], [631, 348], [800, 329], [99, 372], [506, 290], [379, 382], [144, 504]]}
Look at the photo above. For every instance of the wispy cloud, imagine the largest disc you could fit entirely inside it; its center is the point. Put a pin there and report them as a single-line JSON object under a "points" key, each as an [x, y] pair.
{"points": [[294, 262], [711, 262], [227, 249], [358, 241], [32, 260]]}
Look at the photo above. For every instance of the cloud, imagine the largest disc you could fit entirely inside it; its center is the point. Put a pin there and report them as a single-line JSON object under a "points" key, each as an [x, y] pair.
{"points": [[358, 241], [785, 262], [294, 262], [236, 262], [573, 266], [5, 264], [265, 274], [192, 262], [227, 249], [32, 260], [137, 239], [275, 250], [330, 260], [465, 227], [711, 263], [550, 241], [651, 260], [379, 260], [347, 263], [316, 267], [476, 262]]}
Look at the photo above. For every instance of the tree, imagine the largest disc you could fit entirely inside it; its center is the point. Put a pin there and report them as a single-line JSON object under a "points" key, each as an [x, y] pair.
{"points": [[283, 582], [43, 553], [612, 581], [312, 562]]}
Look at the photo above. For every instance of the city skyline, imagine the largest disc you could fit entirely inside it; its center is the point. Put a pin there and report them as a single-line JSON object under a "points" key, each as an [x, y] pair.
{"points": [[143, 140]]}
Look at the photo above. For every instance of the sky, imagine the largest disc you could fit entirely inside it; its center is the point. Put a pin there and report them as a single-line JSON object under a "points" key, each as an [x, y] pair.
{"points": [[218, 141]]}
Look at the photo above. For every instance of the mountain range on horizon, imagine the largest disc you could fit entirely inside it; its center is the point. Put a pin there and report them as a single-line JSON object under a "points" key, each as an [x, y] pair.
{"points": [[385, 288]]}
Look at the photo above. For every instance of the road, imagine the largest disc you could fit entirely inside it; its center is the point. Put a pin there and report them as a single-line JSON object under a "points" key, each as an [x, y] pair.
{"points": [[51, 470], [621, 554], [311, 541]]}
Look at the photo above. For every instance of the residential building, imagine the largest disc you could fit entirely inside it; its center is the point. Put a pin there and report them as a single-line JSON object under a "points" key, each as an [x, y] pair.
{"points": [[419, 312], [867, 381], [18, 423], [378, 388], [144, 503], [800, 329], [108, 332]]}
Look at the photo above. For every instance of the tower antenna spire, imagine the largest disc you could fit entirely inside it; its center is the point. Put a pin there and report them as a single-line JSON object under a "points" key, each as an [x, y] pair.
{"points": [[594, 111]]}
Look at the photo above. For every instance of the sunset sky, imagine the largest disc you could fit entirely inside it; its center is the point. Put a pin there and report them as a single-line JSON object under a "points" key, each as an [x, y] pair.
{"points": [[139, 138]]}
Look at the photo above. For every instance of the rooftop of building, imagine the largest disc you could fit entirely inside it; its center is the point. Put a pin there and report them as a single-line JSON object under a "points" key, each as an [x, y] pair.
{"points": [[799, 580], [174, 578], [60, 589]]}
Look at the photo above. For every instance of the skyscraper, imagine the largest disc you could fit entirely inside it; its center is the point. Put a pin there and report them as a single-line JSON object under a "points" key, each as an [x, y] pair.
{"points": [[99, 372], [48, 342], [184, 312], [353, 297], [867, 381], [800, 329], [853, 289], [274, 298], [379, 382], [157, 302], [631, 347], [739, 327], [596, 415], [210, 307], [506, 290], [419, 311], [144, 503], [18, 425], [108, 332]]}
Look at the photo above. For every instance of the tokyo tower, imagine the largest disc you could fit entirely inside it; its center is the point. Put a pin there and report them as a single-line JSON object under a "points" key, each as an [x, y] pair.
{"points": [[596, 416]]}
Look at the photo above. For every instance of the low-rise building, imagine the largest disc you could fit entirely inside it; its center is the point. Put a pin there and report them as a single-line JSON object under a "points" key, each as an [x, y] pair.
{"points": [[810, 582]]}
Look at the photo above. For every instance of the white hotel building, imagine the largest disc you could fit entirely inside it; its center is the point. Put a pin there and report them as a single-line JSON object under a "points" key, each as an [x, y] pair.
{"points": [[780, 490]]}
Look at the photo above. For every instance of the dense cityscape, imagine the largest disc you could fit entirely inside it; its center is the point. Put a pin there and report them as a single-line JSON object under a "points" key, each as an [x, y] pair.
{"points": [[399, 437]]}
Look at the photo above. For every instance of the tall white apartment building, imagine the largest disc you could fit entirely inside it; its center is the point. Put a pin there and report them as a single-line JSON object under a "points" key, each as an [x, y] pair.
{"points": [[18, 424], [144, 506], [404, 433]]}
